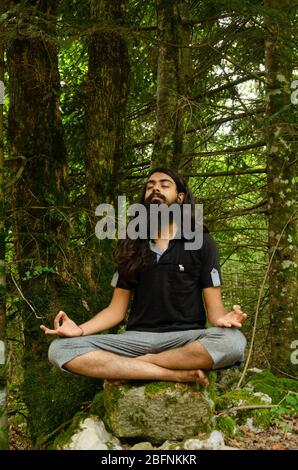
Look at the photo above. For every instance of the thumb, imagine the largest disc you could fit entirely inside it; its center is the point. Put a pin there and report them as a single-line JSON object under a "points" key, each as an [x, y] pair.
{"points": [[237, 308]]}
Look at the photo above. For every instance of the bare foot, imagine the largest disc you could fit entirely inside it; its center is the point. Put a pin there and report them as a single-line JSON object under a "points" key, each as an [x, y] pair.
{"points": [[193, 376], [202, 378]]}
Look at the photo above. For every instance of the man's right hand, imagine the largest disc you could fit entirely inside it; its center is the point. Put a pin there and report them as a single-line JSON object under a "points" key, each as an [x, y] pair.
{"points": [[68, 327]]}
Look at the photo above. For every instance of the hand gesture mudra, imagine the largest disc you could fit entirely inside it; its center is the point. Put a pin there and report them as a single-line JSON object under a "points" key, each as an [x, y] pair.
{"points": [[63, 326]]}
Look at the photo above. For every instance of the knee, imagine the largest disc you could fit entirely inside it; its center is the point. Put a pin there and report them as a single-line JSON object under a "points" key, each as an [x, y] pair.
{"points": [[54, 352], [236, 343]]}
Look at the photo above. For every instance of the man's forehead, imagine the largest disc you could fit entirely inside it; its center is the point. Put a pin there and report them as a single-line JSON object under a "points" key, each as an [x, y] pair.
{"points": [[160, 177]]}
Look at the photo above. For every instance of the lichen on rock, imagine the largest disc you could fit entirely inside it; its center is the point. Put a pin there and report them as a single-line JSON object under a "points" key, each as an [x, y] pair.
{"points": [[157, 411]]}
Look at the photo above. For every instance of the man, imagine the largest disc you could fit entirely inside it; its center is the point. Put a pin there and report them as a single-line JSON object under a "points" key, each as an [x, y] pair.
{"points": [[172, 288]]}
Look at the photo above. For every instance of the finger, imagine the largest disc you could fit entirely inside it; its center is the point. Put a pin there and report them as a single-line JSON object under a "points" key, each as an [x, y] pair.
{"points": [[239, 325], [47, 331], [61, 315]]}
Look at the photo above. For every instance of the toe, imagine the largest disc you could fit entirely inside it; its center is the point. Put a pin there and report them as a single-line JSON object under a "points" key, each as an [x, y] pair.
{"points": [[202, 378]]}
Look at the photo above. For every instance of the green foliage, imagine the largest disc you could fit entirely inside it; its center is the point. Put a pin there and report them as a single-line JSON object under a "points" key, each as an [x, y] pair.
{"points": [[224, 132], [243, 398], [37, 271], [288, 407], [276, 387]]}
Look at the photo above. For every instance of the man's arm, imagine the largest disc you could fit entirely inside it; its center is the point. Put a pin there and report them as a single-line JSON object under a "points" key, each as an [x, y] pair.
{"points": [[216, 312], [111, 315], [105, 319]]}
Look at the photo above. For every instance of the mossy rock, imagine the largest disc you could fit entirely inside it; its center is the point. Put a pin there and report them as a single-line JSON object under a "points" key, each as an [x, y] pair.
{"points": [[227, 426], [64, 437], [157, 411], [275, 387], [53, 398], [97, 406], [243, 397]]}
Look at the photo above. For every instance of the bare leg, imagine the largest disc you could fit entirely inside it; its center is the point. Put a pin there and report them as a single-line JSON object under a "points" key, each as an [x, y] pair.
{"points": [[106, 365], [191, 356]]}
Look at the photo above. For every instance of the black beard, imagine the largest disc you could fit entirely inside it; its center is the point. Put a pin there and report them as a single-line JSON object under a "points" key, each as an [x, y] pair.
{"points": [[149, 203], [161, 199]]}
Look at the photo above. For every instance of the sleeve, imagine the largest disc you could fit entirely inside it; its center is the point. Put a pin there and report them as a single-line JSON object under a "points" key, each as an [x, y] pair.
{"points": [[118, 281], [210, 275]]}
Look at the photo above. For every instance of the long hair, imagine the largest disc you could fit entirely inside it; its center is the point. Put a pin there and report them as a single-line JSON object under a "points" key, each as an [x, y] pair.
{"points": [[133, 256]]}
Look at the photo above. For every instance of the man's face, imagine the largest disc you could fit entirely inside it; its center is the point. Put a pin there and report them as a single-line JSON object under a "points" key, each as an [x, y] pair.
{"points": [[161, 188]]}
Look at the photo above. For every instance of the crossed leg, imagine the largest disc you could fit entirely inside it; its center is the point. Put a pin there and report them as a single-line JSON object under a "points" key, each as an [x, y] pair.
{"points": [[180, 365]]}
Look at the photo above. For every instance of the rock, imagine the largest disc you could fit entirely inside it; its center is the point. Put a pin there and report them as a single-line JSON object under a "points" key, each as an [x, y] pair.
{"points": [[245, 398], [157, 411], [227, 425], [255, 370], [92, 435], [265, 398], [142, 446], [214, 442], [249, 426], [168, 445]]}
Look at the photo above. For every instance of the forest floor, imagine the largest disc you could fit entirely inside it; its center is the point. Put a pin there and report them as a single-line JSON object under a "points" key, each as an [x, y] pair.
{"points": [[283, 437], [275, 438]]}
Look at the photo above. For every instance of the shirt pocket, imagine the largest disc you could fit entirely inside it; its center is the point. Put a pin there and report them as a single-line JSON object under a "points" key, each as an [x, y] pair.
{"points": [[184, 280]]}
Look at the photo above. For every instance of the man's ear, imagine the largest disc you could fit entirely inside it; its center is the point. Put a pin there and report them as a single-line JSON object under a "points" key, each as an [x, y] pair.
{"points": [[180, 197]]}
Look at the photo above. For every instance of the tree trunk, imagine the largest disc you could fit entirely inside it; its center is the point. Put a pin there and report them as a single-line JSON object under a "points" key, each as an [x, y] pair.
{"points": [[40, 226], [3, 413], [106, 105], [106, 99], [173, 81], [282, 174]]}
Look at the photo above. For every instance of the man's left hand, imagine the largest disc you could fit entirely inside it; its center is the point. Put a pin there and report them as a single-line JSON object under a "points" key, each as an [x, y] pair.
{"points": [[234, 318]]}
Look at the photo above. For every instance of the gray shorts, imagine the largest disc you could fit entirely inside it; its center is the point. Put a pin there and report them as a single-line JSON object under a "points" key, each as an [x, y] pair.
{"points": [[225, 345]]}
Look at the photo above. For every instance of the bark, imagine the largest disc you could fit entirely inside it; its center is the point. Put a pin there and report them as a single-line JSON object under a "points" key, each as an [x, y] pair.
{"points": [[173, 81], [282, 195], [35, 133], [3, 411], [107, 91], [37, 197]]}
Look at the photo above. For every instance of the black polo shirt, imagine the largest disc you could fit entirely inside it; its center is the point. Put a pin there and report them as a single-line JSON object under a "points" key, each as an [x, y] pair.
{"points": [[168, 295]]}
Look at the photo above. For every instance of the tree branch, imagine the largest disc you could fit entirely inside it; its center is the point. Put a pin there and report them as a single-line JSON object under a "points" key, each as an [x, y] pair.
{"points": [[226, 86], [215, 122], [248, 171], [243, 408], [211, 153]]}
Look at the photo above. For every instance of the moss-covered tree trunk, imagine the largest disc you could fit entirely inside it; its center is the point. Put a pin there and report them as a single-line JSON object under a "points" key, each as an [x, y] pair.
{"points": [[106, 104], [40, 223], [107, 90], [282, 183], [173, 79], [3, 413]]}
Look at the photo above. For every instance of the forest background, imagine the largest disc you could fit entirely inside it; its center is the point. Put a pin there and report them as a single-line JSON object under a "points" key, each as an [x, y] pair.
{"points": [[97, 93]]}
